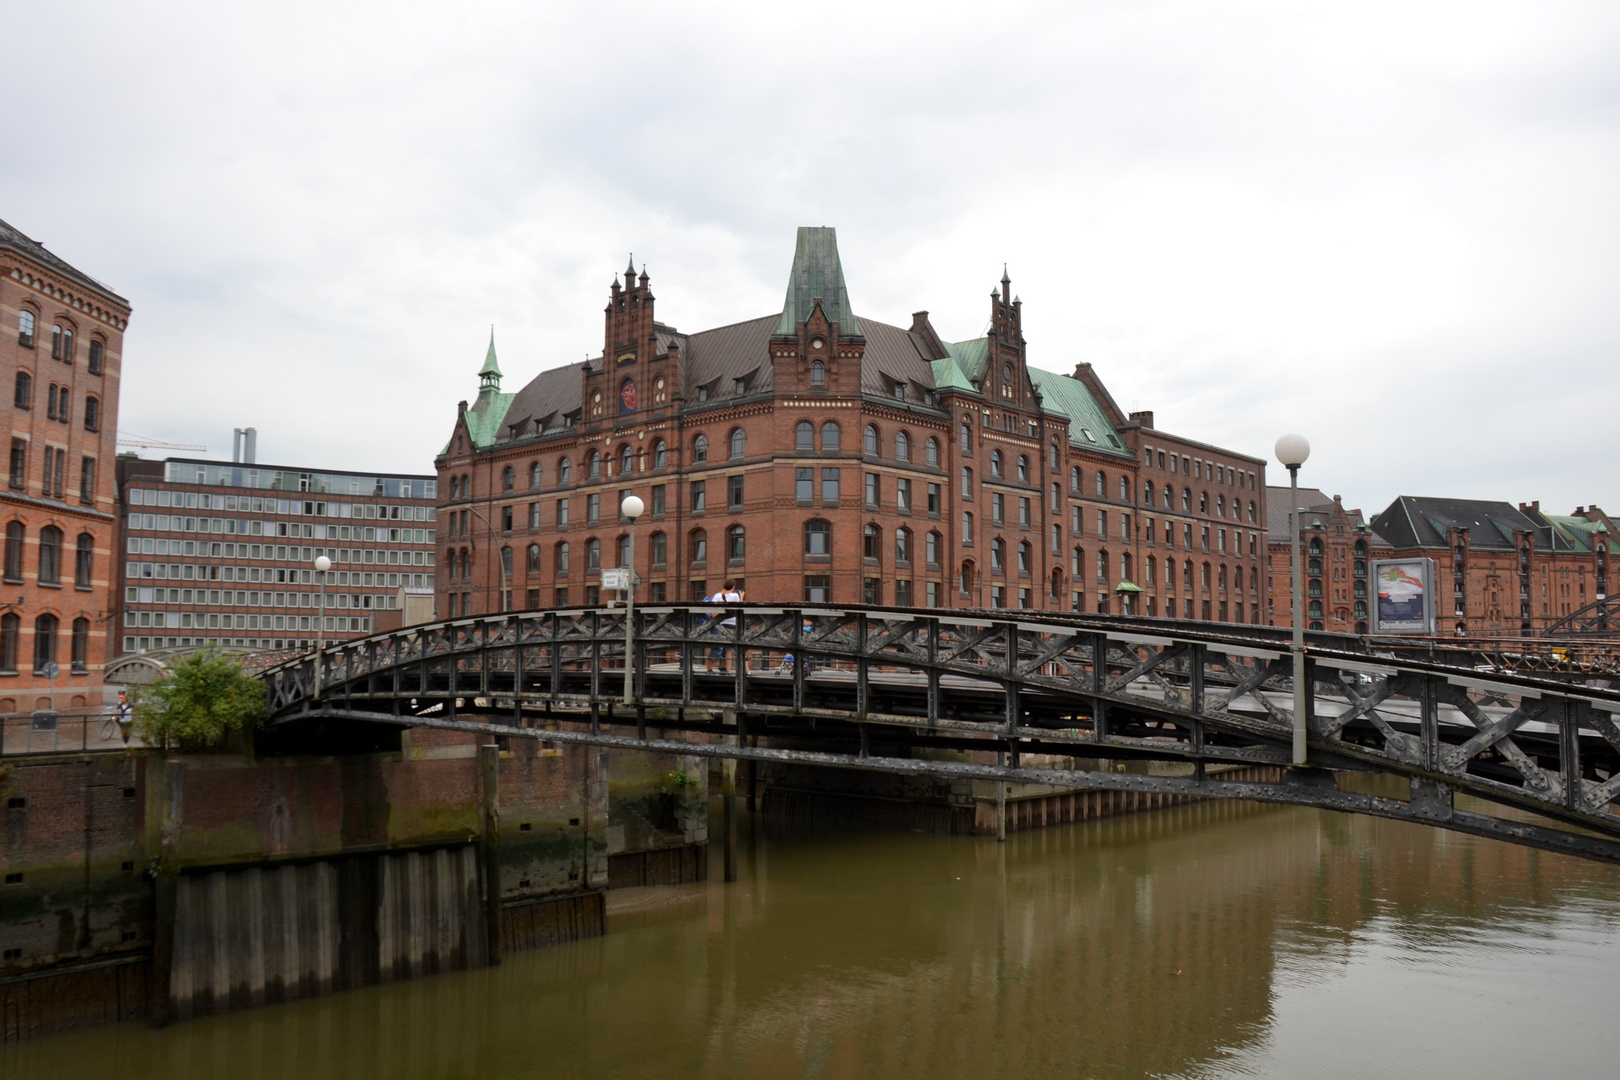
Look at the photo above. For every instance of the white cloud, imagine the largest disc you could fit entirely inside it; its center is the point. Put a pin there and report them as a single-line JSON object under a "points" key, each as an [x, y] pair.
{"points": [[1390, 225]]}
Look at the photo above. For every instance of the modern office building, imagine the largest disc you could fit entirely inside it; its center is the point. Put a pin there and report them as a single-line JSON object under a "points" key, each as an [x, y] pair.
{"points": [[223, 553], [812, 455], [61, 348]]}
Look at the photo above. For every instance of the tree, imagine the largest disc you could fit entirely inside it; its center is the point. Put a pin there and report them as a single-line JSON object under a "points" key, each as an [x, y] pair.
{"points": [[202, 700]]}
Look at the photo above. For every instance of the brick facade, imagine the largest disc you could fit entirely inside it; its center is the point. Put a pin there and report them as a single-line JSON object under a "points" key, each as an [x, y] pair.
{"points": [[817, 456], [61, 350]]}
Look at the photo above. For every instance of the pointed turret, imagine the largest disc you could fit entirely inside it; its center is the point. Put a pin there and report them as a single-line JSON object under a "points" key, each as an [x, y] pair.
{"points": [[489, 376], [817, 273]]}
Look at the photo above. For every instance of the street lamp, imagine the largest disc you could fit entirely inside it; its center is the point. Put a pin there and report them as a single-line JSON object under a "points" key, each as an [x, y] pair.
{"points": [[500, 555], [1292, 450], [322, 565], [631, 508]]}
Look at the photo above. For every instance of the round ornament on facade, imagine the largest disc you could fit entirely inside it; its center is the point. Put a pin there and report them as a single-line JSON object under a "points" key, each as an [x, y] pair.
{"points": [[817, 343]]}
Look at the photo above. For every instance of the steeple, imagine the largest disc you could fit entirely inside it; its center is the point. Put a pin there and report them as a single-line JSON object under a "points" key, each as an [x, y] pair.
{"points": [[489, 376], [817, 273]]}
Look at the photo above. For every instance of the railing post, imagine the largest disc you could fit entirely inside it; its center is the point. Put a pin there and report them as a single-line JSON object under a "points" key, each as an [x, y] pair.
{"points": [[1569, 730], [1430, 723]]}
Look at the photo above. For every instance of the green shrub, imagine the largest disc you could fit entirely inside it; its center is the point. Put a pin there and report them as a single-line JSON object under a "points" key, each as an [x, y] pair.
{"points": [[204, 699]]}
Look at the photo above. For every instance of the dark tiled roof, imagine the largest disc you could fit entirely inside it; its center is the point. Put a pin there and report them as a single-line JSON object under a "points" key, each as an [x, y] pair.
{"points": [[718, 357], [893, 355], [13, 238], [1277, 511], [1420, 522], [546, 398]]}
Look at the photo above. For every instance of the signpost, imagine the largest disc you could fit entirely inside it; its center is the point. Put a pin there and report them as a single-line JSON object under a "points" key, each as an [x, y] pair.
{"points": [[1403, 596]]}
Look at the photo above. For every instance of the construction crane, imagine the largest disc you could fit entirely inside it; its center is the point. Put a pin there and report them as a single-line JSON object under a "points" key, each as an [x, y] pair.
{"points": [[141, 442]]}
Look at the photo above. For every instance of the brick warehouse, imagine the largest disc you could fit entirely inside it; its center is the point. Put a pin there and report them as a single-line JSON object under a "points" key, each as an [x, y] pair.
{"points": [[814, 455], [61, 343]]}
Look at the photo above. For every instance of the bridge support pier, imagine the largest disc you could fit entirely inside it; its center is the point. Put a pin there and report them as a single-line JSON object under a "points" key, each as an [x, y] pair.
{"points": [[489, 757]]}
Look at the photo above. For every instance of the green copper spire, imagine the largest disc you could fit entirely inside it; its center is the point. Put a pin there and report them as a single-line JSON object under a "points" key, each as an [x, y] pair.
{"points": [[817, 273], [489, 376]]}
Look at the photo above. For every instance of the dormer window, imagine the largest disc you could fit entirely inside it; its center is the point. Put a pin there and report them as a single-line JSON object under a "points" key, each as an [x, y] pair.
{"points": [[899, 391], [703, 393], [739, 387]]}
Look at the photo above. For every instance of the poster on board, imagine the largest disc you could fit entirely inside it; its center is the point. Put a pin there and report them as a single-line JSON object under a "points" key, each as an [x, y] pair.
{"points": [[1403, 596]]}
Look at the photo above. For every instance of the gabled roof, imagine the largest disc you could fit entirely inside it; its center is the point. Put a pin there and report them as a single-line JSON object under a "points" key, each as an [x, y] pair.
{"points": [[543, 403], [13, 238], [816, 273], [1421, 522], [1089, 427]]}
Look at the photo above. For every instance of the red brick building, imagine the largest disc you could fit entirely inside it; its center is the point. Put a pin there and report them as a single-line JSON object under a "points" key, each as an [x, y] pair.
{"points": [[814, 455], [1337, 545], [61, 345]]}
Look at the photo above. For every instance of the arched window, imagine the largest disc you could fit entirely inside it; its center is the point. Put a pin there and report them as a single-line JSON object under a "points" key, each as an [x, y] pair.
{"points": [[1204, 577], [1361, 550], [534, 474], [1221, 576], [1315, 610], [932, 545], [1220, 506], [660, 455], [995, 464], [84, 558], [50, 555], [50, 403], [533, 564], [506, 563], [565, 471], [817, 538], [871, 543], [1102, 486], [80, 654], [998, 556], [1023, 469], [1102, 567], [1125, 566], [1203, 502], [25, 390], [593, 554], [967, 482], [967, 437], [804, 436], [1147, 493], [902, 446], [1053, 463], [508, 478], [627, 460], [1187, 575], [559, 559], [44, 642], [1186, 500], [1074, 479], [1316, 547], [16, 537], [1077, 563], [871, 446], [736, 543], [739, 443], [1025, 558], [10, 631], [818, 373], [25, 336], [700, 448], [96, 349], [1169, 497], [698, 544], [902, 546], [931, 452], [967, 577], [829, 436], [466, 565], [593, 465], [1148, 566], [660, 549], [1251, 510], [56, 342]]}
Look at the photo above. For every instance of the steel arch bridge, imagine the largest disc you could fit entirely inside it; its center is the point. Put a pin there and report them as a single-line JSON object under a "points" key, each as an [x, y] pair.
{"points": [[954, 696], [1600, 618]]}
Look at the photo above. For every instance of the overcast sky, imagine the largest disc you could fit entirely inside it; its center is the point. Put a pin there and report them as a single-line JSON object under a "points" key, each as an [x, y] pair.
{"points": [[1390, 226]]}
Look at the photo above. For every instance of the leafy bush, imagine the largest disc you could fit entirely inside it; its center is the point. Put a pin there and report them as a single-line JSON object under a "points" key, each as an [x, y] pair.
{"points": [[204, 699]]}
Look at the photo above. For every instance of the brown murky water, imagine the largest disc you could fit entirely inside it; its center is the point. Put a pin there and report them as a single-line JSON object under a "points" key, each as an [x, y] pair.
{"points": [[1205, 941]]}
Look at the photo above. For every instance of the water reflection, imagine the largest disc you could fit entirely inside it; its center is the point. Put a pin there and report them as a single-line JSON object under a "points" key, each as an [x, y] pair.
{"points": [[1208, 940]]}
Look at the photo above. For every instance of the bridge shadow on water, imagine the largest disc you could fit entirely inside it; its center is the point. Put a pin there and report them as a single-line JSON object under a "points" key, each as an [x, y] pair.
{"points": [[1216, 938]]}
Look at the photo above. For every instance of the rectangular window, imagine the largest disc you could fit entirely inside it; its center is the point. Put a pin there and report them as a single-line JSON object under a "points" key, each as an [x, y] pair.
{"points": [[998, 596], [874, 490], [658, 500], [1023, 511], [998, 508], [817, 589], [698, 496], [19, 463], [902, 494], [933, 499], [931, 594], [1125, 528], [967, 483], [534, 519], [1102, 524], [562, 513], [1077, 521], [829, 487], [902, 593], [872, 590], [804, 484], [735, 492], [1204, 538], [593, 509]]}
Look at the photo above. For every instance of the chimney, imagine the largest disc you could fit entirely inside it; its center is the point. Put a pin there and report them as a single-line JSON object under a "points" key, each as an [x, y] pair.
{"points": [[245, 446], [1142, 418]]}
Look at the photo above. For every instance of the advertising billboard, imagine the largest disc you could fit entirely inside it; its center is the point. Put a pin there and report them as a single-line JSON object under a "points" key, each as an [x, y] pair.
{"points": [[1403, 596]]}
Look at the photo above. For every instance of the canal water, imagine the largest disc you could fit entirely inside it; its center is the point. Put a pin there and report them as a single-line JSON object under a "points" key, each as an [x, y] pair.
{"points": [[1211, 940]]}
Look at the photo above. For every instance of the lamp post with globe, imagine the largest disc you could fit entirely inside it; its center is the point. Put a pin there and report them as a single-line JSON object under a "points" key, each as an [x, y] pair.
{"points": [[322, 565], [631, 508], [1292, 450]]}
